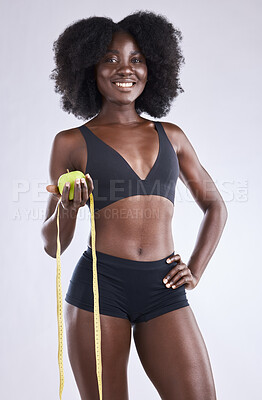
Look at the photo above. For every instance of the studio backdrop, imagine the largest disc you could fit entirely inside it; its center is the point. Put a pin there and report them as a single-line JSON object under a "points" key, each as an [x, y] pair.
{"points": [[220, 112]]}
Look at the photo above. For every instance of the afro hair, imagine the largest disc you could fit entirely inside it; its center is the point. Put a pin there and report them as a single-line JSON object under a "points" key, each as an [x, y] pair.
{"points": [[83, 43]]}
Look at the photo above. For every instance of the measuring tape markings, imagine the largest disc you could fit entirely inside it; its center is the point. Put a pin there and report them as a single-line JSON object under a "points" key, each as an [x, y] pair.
{"points": [[97, 327]]}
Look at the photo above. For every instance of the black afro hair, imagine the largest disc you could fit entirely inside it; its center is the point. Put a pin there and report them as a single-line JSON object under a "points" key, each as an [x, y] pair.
{"points": [[83, 43]]}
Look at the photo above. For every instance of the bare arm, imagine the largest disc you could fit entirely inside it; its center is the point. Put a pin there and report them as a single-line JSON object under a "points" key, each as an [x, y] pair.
{"points": [[208, 198], [60, 161]]}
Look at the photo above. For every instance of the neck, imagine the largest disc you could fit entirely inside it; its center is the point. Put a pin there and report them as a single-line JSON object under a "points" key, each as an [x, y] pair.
{"points": [[114, 114]]}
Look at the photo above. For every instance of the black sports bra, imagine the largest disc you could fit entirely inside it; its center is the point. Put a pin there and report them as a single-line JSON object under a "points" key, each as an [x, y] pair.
{"points": [[114, 179]]}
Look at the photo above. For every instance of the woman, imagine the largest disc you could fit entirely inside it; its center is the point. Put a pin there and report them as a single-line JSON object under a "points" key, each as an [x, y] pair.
{"points": [[113, 72]]}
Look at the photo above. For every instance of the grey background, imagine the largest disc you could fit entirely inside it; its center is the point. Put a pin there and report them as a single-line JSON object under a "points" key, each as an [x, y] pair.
{"points": [[220, 112]]}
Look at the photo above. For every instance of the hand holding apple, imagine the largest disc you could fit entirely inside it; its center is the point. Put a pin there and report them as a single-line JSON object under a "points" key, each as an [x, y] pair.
{"points": [[76, 194], [71, 178]]}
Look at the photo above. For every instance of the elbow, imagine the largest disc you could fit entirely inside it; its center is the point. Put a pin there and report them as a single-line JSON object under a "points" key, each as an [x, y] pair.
{"points": [[223, 211], [219, 207], [47, 248], [50, 244], [50, 253]]}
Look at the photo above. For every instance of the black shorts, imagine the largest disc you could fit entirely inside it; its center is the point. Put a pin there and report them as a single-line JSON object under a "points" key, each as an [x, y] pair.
{"points": [[127, 288]]}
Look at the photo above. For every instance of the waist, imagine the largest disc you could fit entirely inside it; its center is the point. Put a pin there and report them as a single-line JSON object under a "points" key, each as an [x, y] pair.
{"points": [[135, 228], [124, 262]]}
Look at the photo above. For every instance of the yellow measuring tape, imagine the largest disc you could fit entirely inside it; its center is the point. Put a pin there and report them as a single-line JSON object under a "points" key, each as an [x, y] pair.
{"points": [[97, 327]]}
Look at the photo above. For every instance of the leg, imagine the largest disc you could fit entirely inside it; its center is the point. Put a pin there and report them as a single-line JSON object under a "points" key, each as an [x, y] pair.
{"points": [[115, 339], [174, 356]]}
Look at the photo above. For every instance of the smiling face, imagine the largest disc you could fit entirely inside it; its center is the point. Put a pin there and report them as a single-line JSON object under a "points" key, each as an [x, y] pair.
{"points": [[121, 74]]}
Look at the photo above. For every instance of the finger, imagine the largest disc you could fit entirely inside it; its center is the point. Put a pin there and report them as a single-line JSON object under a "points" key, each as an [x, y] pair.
{"points": [[52, 189], [65, 195], [90, 184], [77, 193], [174, 258], [84, 190], [184, 280], [179, 275], [179, 267]]}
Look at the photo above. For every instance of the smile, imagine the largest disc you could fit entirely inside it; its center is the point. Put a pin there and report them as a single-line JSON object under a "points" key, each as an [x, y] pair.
{"points": [[124, 84]]}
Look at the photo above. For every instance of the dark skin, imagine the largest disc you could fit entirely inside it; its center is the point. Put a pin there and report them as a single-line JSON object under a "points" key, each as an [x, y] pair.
{"points": [[171, 342]]}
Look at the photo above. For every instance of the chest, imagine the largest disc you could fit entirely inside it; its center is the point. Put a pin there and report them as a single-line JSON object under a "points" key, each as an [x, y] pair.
{"points": [[137, 148], [130, 164]]}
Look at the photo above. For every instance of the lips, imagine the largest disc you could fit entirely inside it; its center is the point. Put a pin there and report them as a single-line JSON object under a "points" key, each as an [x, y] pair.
{"points": [[124, 81], [123, 88], [121, 80], [127, 86]]}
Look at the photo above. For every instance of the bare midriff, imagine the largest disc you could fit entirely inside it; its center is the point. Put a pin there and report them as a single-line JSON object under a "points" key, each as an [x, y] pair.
{"points": [[137, 228]]}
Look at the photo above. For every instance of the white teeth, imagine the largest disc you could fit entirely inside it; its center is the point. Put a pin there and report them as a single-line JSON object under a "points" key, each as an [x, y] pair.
{"points": [[124, 84]]}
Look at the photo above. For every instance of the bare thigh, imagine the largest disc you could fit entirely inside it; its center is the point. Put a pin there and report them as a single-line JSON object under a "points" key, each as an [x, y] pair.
{"points": [[115, 340], [174, 356]]}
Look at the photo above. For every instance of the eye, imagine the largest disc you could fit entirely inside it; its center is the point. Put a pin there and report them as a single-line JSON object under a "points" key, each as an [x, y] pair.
{"points": [[109, 59], [137, 60]]}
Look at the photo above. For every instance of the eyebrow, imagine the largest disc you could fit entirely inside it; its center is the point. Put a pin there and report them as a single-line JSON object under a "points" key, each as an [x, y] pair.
{"points": [[117, 52]]}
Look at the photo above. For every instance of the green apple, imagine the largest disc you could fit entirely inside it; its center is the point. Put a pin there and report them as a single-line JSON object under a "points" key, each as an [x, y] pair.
{"points": [[69, 177]]}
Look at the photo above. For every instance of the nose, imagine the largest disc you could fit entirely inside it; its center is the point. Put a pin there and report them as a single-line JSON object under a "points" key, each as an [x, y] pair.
{"points": [[125, 67]]}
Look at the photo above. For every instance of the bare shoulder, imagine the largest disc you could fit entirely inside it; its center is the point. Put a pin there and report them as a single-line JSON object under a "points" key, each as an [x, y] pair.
{"points": [[67, 153], [68, 137], [175, 134], [70, 143]]}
